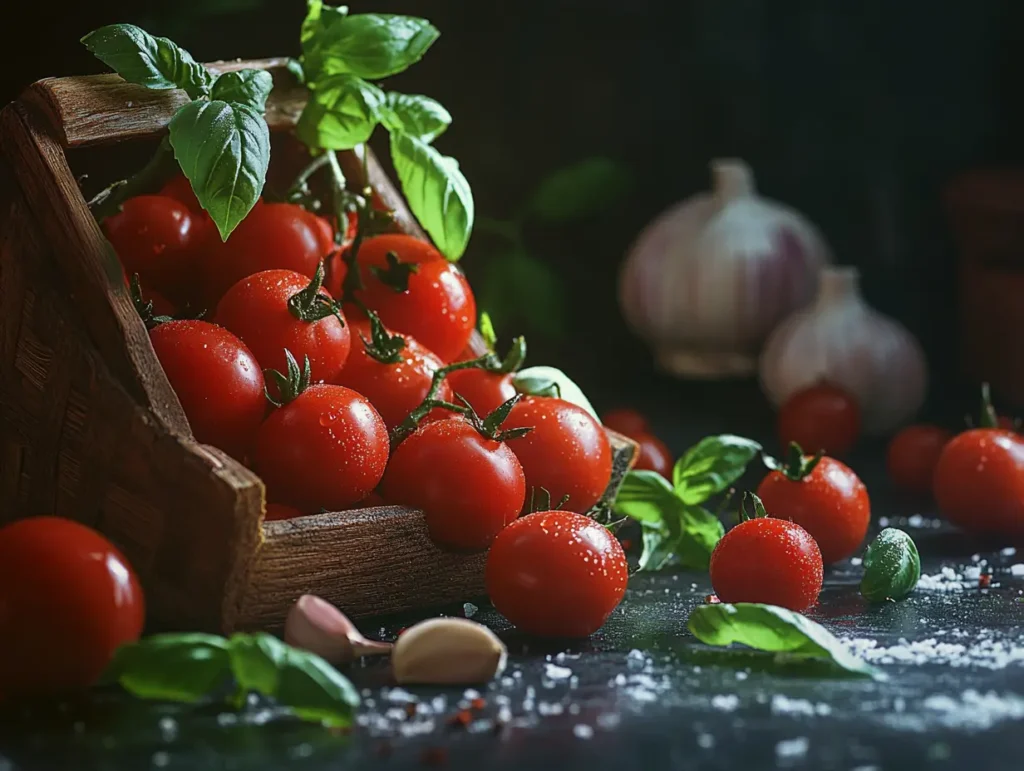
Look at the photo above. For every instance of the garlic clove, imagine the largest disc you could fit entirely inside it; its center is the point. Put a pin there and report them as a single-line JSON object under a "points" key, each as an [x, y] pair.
{"points": [[315, 625], [447, 651]]}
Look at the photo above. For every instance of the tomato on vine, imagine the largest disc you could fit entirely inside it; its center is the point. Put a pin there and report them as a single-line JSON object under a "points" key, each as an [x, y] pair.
{"points": [[556, 574], [652, 455], [68, 600], [822, 495], [821, 418], [626, 421], [217, 379], [912, 456], [768, 560]]}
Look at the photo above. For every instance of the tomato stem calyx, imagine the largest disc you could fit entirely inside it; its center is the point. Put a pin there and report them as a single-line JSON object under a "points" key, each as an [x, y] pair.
{"points": [[516, 354], [160, 167], [490, 426], [397, 273], [144, 307], [290, 385], [540, 500], [988, 419], [797, 465], [383, 346], [311, 305], [757, 510]]}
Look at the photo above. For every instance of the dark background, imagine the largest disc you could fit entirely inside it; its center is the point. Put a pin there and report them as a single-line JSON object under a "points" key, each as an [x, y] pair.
{"points": [[856, 113]]}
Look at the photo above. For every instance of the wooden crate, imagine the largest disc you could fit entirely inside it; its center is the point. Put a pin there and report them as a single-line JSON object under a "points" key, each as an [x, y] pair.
{"points": [[90, 428]]}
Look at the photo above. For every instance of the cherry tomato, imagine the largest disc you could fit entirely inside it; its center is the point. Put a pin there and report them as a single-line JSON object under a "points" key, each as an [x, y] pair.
{"points": [[155, 237], [161, 305], [485, 391], [653, 455], [830, 502], [180, 189], [260, 309], [325, 449], [469, 487], [979, 481], [273, 236], [821, 417], [912, 456], [567, 453], [218, 382], [394, 389], [556, 574], [767, 560], [280, 511], [68, 599], [1008, 424], [626, 421], [437, 308]]}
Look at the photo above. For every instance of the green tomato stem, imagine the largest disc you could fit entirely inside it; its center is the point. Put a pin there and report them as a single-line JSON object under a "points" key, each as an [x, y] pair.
{"points": [[160, 167]]}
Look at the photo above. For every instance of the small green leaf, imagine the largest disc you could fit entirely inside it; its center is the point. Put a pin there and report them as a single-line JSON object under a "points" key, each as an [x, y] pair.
{"points": [[171, 667], [417, 116], [370, 45], [892, 567], [589, 187], [522, 291], [711, 466], [256, 660], [248, 87], [436, 191], [646, 496], [224, 150], [776, 630], [486, 327], [551, 381], [153, 62], [341, 114], [314, 690]]}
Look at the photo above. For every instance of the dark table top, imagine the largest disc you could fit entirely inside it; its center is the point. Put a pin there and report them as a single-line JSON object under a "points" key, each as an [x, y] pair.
{"points": [[630, 697]]}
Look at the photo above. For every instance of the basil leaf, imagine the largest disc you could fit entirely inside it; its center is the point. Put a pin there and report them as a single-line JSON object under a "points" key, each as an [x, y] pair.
{"points": [[773, 629], [315, 30], [341, 113], [646, 496], [224, 150], [153, 62], [370, 45], [256, 660], [701, 532], [171, 667], [587, 188], [314, 690], [436, 191], [248, 87], [710, 466], [417, 116], [892, 566]]}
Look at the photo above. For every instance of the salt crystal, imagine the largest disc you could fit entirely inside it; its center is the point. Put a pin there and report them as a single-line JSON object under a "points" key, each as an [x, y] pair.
{"points": [[856, 561], [792, 748], [620, 679], [553, 708], [504, 715], [608, 720], [168, 728], [161, 759], [583, 731], [1009, 551], [399, 696], [440, 703], [574, 709], [705, 741], [1017, 570], [725, 703]]}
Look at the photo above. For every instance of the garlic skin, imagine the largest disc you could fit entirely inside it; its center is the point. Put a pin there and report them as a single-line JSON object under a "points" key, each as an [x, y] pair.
{"points": [[447, 651], [709, 279], [842, 340], [315, 625]]}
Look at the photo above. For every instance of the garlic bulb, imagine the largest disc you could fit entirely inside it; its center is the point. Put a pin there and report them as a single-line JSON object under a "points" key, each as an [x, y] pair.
{"points": [[709, 279], [840, 339]]}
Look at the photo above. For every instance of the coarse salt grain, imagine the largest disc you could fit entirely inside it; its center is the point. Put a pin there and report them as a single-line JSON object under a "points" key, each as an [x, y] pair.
{"points": [[975, 710], [725, 703], [1017, 570], [792, 748], [583, 731]]}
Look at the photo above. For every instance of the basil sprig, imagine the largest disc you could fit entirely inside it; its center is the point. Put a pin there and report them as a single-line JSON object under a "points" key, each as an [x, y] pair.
{"points": [[892, 566], [675, 524], [192, 667], [220, 138]]}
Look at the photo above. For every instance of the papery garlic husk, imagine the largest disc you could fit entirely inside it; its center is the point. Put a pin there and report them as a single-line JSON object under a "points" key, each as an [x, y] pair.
{"points": [[709, 279], [840, 339], [315, 625]]}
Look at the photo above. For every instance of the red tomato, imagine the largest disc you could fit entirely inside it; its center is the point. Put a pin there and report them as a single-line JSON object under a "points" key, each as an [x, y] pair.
{"points": [[394, 389], [273, 236], [485, 391], [830, 503], [325, 449], [468, 487], [259, 310], [979, 481], [280, 511], [556, 574], [821, 417], [68, 600], [180, 189], [567, 453], [217, 380], [161, 305], [157, 238], [653, 455], [437, 308], [767, 560], [626, 421], [1008, 424], [912, 456]]}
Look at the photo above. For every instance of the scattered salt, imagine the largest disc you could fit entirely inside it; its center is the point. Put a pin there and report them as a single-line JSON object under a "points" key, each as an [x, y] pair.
{"points": [[1009, 551], [583, 731], [725, 703], [975, 710], [792, 748], [470, 694], [168, 729], [555, 672], [705, 741], [783, 705], [608, 720], [554, 708], [1017, 570], [399, 696]]}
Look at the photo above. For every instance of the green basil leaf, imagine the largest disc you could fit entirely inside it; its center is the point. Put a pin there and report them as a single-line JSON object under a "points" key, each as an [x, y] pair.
{"points": [[773, 629], [224, 150], [256, 660], [659, 548], [314, 690], [417, 116], [710, 466], [701, 532], [341, 114], [589, 187], [486, 327], [153, 62], [171, 667], [892, 566], [315, 30], [646, 496], [436, 191], [370, 45], [248, 87]]}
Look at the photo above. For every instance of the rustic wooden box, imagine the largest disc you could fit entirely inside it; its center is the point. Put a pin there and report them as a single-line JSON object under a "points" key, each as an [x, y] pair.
{"points": [[90, 428]]}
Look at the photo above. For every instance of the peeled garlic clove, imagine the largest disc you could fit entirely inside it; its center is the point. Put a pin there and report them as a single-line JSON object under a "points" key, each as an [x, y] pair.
{"points": [[447, 651], [315, 625]]}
